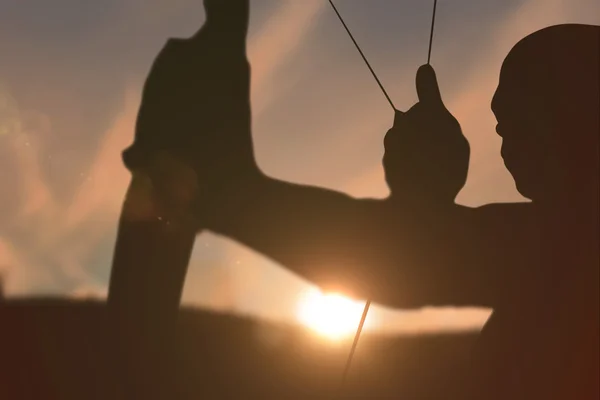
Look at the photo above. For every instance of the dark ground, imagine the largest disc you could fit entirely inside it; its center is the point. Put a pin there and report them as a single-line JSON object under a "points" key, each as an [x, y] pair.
{"points": [[56, 349]]}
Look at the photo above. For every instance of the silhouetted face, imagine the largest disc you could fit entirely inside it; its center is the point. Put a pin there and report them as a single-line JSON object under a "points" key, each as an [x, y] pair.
{"points": [[524, 123], [546, 105]]}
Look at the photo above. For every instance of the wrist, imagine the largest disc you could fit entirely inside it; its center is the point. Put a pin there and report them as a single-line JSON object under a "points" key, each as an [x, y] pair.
{"points": [[240, 186], [145, 203], [231, 200]]}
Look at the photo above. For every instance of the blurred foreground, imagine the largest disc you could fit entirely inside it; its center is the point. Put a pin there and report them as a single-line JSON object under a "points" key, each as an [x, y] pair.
{"points": [[58, 349]]}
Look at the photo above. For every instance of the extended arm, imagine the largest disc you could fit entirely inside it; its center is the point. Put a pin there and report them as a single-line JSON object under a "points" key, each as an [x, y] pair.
{"points": [[370, 248], [416, 248]]}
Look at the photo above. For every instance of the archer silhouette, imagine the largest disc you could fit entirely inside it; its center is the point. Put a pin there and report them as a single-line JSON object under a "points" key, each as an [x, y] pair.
{"points": [[535, 264]]}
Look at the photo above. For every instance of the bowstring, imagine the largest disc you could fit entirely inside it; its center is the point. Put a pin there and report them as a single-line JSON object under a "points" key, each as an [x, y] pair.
{"points": [[431, 33], [362, 55], [355, 343], [368, 302]]}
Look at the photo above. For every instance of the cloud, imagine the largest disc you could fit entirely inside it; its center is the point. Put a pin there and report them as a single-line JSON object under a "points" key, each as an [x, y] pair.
{"points": [[47, 240], [274, 45], [106, 180]]}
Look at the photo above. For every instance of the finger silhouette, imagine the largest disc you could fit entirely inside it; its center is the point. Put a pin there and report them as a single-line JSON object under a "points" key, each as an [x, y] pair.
{"points": [[428, 90]]}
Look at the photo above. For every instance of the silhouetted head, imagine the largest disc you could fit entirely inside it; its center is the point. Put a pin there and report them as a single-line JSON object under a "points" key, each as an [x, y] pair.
{"points": [[548, 109]]}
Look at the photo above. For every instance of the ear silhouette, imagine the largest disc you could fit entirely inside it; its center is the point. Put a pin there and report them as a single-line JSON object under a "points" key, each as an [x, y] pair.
{"points": [[428, 90]]}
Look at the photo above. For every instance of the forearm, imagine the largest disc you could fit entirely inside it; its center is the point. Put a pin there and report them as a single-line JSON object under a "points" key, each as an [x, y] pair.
{"points": [[323, 236], [150, 258]]}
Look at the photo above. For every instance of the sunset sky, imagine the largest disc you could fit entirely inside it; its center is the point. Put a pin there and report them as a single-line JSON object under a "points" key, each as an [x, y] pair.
{"points": [[71, 73]]}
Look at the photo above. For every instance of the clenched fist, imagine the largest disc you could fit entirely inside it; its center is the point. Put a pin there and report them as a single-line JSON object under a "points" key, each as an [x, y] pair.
{"points": [[193, 129], [426, 155]]}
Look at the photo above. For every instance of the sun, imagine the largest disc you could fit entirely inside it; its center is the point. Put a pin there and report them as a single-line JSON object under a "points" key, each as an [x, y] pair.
{"points": [[330, 314]]}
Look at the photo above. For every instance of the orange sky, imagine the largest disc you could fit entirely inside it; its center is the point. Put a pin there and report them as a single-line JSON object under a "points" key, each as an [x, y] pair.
{"points": [[70, 87]]}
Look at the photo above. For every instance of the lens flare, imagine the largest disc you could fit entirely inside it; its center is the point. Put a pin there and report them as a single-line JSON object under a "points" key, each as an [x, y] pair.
{"points": [[330, 314]]}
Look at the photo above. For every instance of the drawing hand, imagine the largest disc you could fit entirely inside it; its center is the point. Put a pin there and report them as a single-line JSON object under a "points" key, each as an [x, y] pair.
{"points": [[426, 155]]}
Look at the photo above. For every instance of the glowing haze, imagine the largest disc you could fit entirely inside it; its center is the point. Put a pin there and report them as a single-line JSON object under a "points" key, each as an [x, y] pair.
{"points": [[331, 314], [70, 86]]}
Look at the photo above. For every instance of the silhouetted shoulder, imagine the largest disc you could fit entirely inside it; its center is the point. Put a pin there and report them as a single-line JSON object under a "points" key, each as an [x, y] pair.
{"points": [[502, 209], [503, 213], [502, 229]]}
